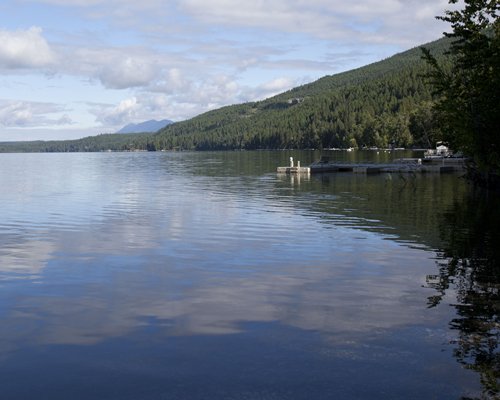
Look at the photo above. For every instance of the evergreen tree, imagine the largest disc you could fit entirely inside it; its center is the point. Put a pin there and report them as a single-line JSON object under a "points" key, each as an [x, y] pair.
{"points": [[468, 106]]}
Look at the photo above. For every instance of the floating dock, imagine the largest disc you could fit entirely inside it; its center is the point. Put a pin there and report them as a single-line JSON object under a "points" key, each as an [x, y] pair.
{"points": [[294, 169], [405, 165]]}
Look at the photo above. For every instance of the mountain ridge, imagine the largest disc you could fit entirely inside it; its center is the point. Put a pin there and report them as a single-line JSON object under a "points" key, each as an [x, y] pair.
{"points": [[148, 126], [381, 104]]}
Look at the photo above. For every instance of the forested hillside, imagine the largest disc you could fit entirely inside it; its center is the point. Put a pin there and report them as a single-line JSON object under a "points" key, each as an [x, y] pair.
{"points": [[382, 104], [387, 103]]}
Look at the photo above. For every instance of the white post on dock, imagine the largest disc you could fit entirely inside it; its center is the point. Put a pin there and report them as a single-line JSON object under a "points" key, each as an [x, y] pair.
{"points": [[298, 164], [291, 162]]}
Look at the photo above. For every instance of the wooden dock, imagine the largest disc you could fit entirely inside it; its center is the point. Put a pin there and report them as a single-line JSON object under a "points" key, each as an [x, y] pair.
{"points": [[407, 165], [384, 168], [294, 169]]}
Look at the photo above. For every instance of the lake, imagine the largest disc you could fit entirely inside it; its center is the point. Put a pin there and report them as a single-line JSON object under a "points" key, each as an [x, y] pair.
{"points": [[190, 275]]}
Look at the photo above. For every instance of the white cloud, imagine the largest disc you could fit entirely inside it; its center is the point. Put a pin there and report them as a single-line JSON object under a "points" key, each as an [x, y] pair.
{"points": [[120, 114], [215, 91], [270, 88], [144, 106], [326, 19], [16, 113], [120, 12], [184, 57], [192, 92], [279, 84], [25, 49], [287, 16], [127, 72], [171, 81], [113, 67]]}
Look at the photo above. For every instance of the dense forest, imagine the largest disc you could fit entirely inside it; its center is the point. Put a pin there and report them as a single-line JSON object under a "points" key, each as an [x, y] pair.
{"points": [[383, 104]]}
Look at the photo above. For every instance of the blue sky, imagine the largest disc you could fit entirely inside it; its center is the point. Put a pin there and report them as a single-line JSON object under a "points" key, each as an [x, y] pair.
{"points": [[74, 68]]}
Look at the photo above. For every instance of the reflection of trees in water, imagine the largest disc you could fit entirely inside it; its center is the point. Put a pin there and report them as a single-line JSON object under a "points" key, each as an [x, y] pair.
{"points": [[471, 264]]}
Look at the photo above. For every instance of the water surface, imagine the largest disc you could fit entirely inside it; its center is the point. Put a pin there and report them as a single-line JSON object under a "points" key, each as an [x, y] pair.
{"points": [[209, 276]]}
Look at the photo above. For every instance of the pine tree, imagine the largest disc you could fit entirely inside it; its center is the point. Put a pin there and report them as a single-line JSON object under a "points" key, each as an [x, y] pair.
{"points": [[468, 106]]}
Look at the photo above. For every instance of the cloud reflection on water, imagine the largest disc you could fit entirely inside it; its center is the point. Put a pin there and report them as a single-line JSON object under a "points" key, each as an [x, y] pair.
{"points": [[95, 289], [198, 256]]}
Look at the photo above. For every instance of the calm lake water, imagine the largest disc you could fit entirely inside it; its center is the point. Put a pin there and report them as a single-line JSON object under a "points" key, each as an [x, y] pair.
{"points": [[209, 276]]}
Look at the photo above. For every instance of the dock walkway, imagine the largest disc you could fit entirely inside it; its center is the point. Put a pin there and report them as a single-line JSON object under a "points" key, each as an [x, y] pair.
{"points": [[405, 165]]}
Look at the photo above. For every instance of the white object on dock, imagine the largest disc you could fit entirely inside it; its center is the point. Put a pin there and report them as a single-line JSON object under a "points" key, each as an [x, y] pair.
{"points": [[294, 170]]}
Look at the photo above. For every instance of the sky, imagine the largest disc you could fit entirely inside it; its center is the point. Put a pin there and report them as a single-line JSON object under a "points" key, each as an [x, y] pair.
{"points": [[76, 68]]}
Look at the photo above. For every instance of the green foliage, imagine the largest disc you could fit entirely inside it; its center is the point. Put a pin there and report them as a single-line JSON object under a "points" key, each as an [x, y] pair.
{"points": [[383, 104], [468, 106], [104, 142], [423, 126]]}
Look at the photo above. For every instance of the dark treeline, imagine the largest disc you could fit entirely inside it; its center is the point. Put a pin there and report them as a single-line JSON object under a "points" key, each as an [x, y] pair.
{"points": [[116, 142], [384, 104]]}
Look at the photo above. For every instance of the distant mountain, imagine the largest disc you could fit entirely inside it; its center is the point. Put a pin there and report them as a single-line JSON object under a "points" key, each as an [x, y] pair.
{"points": [[147, 126]]}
